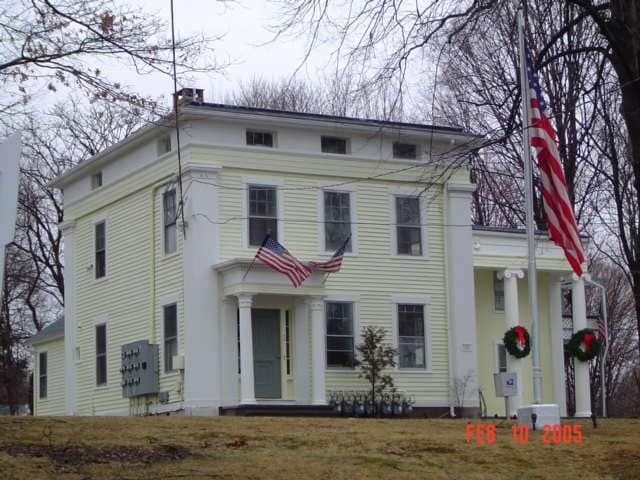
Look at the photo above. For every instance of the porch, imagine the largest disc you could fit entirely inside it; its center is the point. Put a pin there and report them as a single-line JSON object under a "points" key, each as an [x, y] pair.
{"points": [[273, 341]]}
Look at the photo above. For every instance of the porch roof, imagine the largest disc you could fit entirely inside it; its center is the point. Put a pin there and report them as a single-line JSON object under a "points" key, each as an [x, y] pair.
{"points": [[243, 275]]}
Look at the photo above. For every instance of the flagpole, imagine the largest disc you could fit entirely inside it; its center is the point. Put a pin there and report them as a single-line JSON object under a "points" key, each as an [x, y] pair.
{"points": [[254, 258], [528, 176]]}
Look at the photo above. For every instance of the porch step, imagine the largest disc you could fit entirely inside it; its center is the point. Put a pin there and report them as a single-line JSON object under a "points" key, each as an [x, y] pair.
{"points": [[279, 411]]}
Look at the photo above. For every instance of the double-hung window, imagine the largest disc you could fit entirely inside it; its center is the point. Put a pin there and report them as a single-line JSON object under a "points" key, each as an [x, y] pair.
{"points": [[101, 354], [101, 249], [42, 374], [170, 314], [340, 339], [408, 226], [411, 336], [337, 219], [263, 213], [170, 221]]}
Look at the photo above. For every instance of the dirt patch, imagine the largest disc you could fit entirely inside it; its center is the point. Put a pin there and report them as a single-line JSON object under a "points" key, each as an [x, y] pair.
{"points": [[79, 455]]}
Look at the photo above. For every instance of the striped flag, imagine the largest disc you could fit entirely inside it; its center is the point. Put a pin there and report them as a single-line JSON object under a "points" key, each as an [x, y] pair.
{"points": [[335, 262], [278, 258], [563, 229]]}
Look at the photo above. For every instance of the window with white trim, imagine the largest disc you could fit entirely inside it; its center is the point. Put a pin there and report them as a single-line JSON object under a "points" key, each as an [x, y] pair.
{"points": [[498, 293], [263, 213], [42, 374], [170, 221], [408, 226], [411, 336], [101, 354], [96, 180], [408, 151], [340, 336], [260, 139], [333, 145], [170, 318], [101, 249], [337, 219], [164, 145]]}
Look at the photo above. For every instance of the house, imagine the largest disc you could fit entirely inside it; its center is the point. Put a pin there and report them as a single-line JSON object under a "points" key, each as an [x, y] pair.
{"points": [[165, 316]]}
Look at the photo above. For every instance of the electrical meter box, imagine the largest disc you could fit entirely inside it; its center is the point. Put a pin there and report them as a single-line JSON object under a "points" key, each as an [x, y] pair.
{"points": [[139, 369], [506, 384]]}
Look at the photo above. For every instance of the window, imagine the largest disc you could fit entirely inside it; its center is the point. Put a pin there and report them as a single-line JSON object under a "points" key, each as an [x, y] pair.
{"points": [[411, 341], [501, 358], [262, 139], [101, 249], [408, 226], [96, 180], [170, 315], [170, 221], [337, 219], [101, 354], [340, 347], [405, 150], [263, 214], [42, 374], [164, 145], [498, 293], [333, 145]]}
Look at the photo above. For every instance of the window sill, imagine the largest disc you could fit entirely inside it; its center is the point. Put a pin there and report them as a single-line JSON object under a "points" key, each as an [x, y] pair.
{"points": [[346, 254], [101, 387], [339, 369], [169, 256], [413, 370], [101, 279]]}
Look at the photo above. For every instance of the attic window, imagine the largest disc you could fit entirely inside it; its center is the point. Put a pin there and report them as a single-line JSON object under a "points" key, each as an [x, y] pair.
{"points": [[405, 150], [164, 145], [96, 180], [333, 145], [261, 139]]}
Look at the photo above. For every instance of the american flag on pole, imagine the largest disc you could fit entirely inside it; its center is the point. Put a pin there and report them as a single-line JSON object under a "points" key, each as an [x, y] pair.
{"points": [[278, 258], [563, 229], [335, 262]]}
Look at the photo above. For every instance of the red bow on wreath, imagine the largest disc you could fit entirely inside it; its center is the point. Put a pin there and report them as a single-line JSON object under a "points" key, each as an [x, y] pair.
{"points": [[587, 339], [520, 331]]}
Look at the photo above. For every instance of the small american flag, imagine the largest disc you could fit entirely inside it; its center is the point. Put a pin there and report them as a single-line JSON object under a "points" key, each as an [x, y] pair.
{"points": [[278, 258], [561, 221], [335, 262]]}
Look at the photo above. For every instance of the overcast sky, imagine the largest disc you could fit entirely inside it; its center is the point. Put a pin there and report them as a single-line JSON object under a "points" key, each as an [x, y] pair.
{"points": [[244, 24]]}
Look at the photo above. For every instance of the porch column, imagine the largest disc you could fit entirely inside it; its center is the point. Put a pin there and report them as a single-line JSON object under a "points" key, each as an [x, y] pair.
{"points": [[511, 319], [581, 369], [319, 396], [557, 344], [247, 386]]}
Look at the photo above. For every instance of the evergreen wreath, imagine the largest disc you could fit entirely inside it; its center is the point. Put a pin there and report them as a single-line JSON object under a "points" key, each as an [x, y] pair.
{"points": [[517, 341], [592, 345]]}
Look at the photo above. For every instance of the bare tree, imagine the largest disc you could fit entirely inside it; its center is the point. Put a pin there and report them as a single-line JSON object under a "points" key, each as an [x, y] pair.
{"points": [[62, 44], [387, 39]]}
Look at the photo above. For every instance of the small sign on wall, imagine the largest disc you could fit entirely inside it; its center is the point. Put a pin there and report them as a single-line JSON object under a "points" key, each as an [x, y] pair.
{"points": [[506, 384]]}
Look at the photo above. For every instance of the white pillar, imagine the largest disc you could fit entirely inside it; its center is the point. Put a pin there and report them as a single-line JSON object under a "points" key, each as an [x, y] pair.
{"points": [[319, 396], [302, 353], [69, 320], [557, 344], [582, 386], [202, 383], [247, 385], [230, 394], [461, 302], [512, 319]]}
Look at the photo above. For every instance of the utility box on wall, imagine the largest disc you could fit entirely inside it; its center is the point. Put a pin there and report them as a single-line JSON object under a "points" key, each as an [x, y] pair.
{"points": [[139, 369]]}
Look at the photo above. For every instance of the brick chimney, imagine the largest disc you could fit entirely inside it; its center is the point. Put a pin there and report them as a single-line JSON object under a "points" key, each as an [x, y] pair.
{"points": [[186, 96]]}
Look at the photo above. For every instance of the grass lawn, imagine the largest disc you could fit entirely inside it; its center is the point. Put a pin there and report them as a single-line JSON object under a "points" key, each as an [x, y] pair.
{"points": [[303, 448]]}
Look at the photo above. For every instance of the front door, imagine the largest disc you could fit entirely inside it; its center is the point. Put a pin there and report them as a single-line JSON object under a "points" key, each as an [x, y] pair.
{"points": [[266, 352]]}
